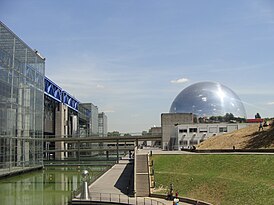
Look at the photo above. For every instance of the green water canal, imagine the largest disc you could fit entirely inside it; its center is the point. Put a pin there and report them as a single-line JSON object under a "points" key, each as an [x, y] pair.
{"points": [[50, 186]]}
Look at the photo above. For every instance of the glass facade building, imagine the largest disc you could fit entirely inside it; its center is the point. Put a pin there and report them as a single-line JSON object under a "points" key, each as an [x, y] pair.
{"points": [[22, 73]]}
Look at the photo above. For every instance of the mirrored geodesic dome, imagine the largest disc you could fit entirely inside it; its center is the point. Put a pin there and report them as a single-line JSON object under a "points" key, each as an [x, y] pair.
{"points": [[206, 99]]}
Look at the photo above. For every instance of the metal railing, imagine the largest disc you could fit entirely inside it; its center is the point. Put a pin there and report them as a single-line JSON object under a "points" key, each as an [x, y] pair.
{"points": [[117, 199]]}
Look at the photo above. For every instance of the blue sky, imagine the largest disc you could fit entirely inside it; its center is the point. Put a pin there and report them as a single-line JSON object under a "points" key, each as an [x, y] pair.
{"points": [[132, 58]]}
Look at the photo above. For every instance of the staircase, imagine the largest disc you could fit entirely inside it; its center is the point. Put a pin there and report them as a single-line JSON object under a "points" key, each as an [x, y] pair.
{"points": [[141, 175]]}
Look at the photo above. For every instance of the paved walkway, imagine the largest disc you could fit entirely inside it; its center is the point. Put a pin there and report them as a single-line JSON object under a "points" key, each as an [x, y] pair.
{"points": [[117, 182], [17, 170]]}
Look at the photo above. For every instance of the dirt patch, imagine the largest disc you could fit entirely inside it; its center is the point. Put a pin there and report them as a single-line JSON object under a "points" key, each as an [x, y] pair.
{"points": [[213, 194]]}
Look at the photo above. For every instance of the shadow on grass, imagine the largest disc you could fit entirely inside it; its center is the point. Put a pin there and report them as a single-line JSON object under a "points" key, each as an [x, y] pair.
{"points": [[261, 139]]}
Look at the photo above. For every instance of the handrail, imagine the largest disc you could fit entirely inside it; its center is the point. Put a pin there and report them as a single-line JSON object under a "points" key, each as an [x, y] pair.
{"points": [[117, 199], [183, 199]]}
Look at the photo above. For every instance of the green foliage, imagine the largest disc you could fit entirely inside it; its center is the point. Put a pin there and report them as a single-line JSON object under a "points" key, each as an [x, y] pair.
{"points": [[228, 117], [219, 179], [114, 133]]}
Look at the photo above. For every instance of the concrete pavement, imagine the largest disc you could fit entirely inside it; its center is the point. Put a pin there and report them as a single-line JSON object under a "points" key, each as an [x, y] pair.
{"points": [[117, 180], [117, 183]]}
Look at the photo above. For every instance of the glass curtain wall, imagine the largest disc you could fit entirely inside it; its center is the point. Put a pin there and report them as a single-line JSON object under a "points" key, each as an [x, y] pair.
{"points": [[22, 73]]}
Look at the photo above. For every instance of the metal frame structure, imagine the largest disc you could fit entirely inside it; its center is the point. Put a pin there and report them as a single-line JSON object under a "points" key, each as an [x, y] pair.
{"points": [[22, 72]]}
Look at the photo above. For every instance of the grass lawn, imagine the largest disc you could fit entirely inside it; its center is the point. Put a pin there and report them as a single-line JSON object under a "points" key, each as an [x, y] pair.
{"points": [[219, 179]]}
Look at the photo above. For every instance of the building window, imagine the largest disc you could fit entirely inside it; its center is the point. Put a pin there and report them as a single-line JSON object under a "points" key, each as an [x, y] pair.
{"points": [[202, 129], [212, 129], [193, 142], [182, 130], [192, 130], [222, 129], [183, 142]]}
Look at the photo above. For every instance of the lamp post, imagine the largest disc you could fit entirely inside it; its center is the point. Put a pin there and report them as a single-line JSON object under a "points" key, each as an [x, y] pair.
{"points": [[85, 191]]}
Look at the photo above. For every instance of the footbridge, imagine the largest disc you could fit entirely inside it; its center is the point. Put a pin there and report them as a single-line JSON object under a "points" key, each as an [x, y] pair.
{"points": [[111, 145], [96, 138]]}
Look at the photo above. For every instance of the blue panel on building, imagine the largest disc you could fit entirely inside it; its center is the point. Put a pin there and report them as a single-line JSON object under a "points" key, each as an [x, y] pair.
{"points": [[70, 101], [56, 92], [53, 90]]}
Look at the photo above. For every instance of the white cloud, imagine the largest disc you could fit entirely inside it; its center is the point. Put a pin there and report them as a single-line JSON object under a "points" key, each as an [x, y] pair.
{"points": [[100, 86], [270, 103], [181, 80]]}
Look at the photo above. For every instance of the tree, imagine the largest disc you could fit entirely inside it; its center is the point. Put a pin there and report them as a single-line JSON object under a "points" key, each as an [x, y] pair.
{"points": [[114, 133], [144, 133]]}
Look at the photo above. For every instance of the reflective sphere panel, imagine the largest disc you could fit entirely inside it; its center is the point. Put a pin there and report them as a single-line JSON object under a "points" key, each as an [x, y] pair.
{"points": [[208, 99]]}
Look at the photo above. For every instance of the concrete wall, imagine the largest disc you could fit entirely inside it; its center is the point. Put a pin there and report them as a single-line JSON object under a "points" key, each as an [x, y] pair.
{"points": [[168, 123], [61, 127]]}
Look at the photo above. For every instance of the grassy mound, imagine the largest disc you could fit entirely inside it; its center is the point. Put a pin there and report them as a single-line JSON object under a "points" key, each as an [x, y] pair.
{"points": [[219, 179], [245, 138]]}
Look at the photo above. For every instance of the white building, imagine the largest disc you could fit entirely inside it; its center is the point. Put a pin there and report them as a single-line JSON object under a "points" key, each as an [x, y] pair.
{"points": [[93, 124], [102, 124], [187, 135]]}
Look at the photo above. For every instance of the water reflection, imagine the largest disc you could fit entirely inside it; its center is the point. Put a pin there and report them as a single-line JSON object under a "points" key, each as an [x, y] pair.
{"points": [[51, 186]]}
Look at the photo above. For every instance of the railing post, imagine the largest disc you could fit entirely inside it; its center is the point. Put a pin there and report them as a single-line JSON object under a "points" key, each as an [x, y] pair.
{"points": [[117, 150], [78, 151], [100, 197], [110, 197], [119, 198]]}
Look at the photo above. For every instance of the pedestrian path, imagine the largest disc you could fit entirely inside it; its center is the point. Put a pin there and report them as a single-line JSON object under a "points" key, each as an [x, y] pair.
{"points": [[117, 184], [17, 170], [117, 180]]}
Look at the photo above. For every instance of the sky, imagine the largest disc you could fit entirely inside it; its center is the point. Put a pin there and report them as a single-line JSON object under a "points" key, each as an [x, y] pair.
{"points": [[131, 58]]}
